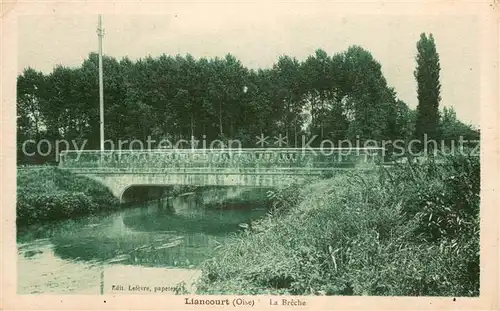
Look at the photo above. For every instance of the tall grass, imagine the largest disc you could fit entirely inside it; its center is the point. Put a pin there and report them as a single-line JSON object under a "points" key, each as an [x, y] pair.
{"points": [[410, 230], [48, 194]]}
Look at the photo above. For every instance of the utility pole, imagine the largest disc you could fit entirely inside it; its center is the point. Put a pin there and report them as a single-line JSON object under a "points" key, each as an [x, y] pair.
{"points": [[100, 34]]}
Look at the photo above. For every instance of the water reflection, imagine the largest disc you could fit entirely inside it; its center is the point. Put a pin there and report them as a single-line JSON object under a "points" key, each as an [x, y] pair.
{"points": [[150, 234]]}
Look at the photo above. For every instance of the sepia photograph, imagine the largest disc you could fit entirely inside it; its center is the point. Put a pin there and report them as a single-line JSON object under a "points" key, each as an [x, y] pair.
{"points": [[241, 156]]}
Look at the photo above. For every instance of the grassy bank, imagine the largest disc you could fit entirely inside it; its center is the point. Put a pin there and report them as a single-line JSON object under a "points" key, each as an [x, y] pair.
{"points": [[411, 230], [47, 194]]}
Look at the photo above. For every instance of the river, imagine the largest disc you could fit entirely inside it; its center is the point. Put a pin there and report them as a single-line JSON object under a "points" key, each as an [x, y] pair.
{"points": [[142, 245]]}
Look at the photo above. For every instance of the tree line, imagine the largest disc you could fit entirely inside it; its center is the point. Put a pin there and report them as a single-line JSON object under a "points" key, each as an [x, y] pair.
{"points": [[335, 97]]}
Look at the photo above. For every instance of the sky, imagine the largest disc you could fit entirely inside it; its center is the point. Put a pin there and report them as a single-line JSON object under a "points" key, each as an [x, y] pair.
{"points": [[258, 38]]}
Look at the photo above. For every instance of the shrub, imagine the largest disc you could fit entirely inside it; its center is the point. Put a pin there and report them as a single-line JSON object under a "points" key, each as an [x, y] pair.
{"points": [[50, 194], [410, 230]]}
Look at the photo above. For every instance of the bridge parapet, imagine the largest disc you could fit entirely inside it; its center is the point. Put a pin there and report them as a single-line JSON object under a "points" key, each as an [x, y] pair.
{"points": [[220, 159]]}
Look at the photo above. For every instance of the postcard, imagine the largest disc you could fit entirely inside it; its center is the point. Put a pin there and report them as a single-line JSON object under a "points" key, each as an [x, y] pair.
{"points": [[250, 155]]}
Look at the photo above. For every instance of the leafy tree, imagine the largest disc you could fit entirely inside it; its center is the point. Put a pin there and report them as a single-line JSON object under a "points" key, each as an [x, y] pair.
{"points": [[428, 88], [451, 128], [344, 96], [321, 88], [31, 102], [31, 88], [364, 94], [287, 96]]}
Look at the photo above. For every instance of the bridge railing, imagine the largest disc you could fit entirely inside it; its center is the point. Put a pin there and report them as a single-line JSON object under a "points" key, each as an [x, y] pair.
{"points": [[212, 159]]}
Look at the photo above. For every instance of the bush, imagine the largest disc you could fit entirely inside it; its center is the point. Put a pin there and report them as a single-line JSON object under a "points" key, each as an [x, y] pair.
{"points": [[50, 194], [410, 230]]}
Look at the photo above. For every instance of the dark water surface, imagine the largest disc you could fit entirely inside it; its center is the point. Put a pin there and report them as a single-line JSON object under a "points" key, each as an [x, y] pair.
{"points": [[147, 235]]}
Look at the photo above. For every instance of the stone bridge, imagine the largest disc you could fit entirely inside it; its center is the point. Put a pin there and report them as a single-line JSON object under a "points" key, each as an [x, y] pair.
{"points": [[262, 168]]}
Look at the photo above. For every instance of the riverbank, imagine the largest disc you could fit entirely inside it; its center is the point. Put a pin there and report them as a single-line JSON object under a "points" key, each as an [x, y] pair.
{"points": [[47, 194], [412, 230], [140, 246]]}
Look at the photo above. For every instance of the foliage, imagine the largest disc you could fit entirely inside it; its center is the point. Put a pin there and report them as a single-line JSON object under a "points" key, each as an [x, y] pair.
{"points": [[411, 230], [428, 88], [176, 97], [451, 128], [46, 194]]}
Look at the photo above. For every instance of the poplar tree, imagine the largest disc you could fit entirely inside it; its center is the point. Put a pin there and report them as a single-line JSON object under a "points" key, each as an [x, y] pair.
{"points": [[428, 88]]}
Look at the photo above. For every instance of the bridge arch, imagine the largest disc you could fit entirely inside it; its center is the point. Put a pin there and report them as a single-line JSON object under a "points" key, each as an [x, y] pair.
{"points": [[143, 192]]}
